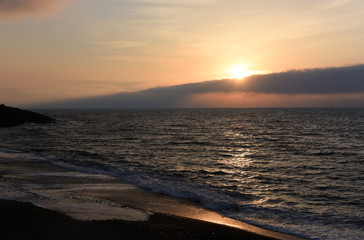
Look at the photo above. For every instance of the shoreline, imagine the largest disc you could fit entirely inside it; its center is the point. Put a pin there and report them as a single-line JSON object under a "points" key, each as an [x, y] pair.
{"points": [[26, 221], [107, 202]]}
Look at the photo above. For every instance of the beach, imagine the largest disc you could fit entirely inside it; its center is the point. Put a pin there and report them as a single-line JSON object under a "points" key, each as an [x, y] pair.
{"points": [[93, 206]]}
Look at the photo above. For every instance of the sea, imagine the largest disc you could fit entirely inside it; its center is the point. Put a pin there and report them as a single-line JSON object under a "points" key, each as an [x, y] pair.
{"points": [[297, 171]]}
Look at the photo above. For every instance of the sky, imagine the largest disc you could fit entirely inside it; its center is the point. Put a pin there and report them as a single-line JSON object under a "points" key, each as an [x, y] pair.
{"points": [[52, 50]]}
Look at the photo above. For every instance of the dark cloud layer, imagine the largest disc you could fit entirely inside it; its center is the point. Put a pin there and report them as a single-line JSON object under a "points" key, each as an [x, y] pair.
{"points": [[316, 81], [12, 10], [325, 81]]}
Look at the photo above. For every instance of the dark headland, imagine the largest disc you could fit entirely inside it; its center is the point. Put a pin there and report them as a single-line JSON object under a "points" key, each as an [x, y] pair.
{"points": [[10, 117]]}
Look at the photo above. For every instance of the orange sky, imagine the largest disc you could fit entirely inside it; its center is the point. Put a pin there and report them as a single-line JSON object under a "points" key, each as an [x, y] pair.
{"points": [[53, 49]]}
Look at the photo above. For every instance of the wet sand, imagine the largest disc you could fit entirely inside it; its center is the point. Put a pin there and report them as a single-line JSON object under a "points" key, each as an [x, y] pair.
{"points": [[95, 206], [25, 221]]}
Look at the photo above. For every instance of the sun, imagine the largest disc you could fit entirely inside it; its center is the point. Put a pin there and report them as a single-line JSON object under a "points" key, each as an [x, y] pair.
{"points": [[239, 71]]}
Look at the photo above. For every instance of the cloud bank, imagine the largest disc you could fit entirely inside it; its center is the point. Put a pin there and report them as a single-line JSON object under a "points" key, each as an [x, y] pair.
{"points": [[325, 87], [13, 10]]}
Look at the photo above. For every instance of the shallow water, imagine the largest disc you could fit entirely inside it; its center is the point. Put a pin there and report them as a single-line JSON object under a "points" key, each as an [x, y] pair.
{"points": [[293, 170]]}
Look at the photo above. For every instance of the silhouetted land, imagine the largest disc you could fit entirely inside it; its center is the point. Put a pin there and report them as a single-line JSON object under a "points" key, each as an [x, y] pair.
{"points": [[10, 117]]}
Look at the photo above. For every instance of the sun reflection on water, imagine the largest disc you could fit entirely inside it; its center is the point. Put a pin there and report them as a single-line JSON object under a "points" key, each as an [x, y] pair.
{"points": [[241, 159]]}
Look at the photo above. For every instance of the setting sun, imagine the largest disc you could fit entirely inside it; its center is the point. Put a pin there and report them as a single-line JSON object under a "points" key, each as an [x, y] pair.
{"points": [[239, 72]]}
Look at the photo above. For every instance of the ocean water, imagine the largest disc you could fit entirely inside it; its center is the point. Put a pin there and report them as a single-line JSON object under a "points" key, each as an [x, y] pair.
{"points": [[298, 171]]}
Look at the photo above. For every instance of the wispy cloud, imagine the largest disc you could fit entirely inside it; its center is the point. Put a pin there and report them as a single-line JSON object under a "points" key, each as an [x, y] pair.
{"points": [[184, 2], [13, 10], [112, 45], [16, 97], [126, 85], [335, 3], [121, 58]]}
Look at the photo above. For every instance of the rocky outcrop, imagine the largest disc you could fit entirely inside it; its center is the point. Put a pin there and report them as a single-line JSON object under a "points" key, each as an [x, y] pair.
{"points": [[10, 117]]}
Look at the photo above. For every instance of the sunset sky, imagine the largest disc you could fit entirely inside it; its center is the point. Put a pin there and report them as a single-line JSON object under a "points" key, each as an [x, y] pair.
{"points": [[57, 49]]}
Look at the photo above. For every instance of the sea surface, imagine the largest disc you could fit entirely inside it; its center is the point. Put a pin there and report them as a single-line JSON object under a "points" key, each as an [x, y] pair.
{"points": [[298, 171]]}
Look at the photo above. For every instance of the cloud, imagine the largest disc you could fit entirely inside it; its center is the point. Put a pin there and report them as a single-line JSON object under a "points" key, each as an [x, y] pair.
{"points": [[184, 2], [13, 10], [335, 3], [348, 79], [14, 96], [312, 81], [341, 86], [112, 45], [115, 84], [121, 58]]}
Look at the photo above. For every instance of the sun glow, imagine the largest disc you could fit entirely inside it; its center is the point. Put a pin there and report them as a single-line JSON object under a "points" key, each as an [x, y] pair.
{"points": [[239, 72]]}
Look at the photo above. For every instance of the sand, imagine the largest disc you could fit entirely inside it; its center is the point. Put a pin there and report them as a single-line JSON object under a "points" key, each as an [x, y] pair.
{"points": [[26, 221]]}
